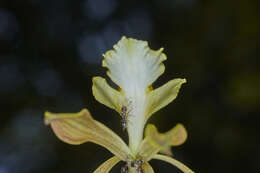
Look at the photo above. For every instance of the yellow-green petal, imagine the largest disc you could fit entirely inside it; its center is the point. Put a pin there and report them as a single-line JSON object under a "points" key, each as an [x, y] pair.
{"points": [[174, 137], [155, 142], [147, 168], [77, 128], [107, 165], [167, 150], [147, 149], [163, 95], [174, 162], [106, 94]]}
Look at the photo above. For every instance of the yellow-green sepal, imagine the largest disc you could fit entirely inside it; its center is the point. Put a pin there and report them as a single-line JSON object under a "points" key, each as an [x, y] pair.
{"points": [[155, 142], [106, 95], [77, 128], [107, 165], [174, 162], [162, 96], [147, 168]]}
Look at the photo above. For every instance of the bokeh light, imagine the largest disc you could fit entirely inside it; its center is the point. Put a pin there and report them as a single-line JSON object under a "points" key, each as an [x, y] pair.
{"points": [[23, 147], [91, 47], [47, 82], [99, 9], [11, 78], [8, 25]]}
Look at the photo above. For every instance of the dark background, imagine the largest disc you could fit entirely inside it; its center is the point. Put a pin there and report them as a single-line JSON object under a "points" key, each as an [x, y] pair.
{"points": [[50, 50]]}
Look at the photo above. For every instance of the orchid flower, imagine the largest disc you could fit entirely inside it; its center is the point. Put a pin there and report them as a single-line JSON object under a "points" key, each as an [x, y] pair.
{"points": [[133, 67]]}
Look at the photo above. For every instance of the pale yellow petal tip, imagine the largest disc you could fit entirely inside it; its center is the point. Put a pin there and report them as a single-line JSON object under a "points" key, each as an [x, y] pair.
{"points": [[181, 135], [84, 111], [49, 116], [181, 81], [95, 78], [124, 38], [163, 55], [122, 43]]}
